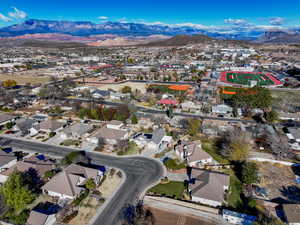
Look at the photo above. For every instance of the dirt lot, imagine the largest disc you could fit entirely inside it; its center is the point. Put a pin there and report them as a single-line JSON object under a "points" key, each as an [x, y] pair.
{"points": [[279, 182], [163, 217], [89, 206], [118, 87], [23, 78]]}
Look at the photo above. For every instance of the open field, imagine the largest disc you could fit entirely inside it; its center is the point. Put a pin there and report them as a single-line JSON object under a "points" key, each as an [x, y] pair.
{"points": [[285, 100], [164, 217], [245, 78], [279, 182], [23, 78]]}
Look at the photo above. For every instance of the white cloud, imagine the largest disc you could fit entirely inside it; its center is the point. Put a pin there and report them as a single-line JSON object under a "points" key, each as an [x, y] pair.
{"points": [[4, 18], [236, 22], [123, 20], [277, 21], [17, 14], [102, 17]]}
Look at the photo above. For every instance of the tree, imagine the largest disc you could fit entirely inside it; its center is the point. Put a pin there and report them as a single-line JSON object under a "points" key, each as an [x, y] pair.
{"points": [[126, 89], [239, 150], [134, 119], [249, 173], [235, 145], [271, 116], [75, 157], [256, 97], [90, 184], [49, 174], [169, 112], [16, 193], [9, 125], [193, 126]]}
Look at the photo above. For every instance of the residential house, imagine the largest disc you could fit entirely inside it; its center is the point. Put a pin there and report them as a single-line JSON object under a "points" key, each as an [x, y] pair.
{"points": [[294, 138], [40, 218], [39, 163], [238, 218], [193, 153], [111, 133], [167, 102], [69, 183], [119, 96], [158, 140], [289, 116], [49, 126], [178, 122], [76, 131], [100, 94], [208, 188], [189, 106], [26, 126], [6, 118], [292, 213], [7, 159], [40, 117], [222, 109]]}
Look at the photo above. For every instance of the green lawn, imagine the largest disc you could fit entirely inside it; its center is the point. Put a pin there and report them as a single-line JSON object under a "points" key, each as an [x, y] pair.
{"points": [[209, 146], [173, 164], [234, 197], [245, 78], [173, 189]]}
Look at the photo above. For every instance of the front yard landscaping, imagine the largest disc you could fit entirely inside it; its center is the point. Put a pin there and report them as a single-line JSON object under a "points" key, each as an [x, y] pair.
{"points": [[209, 145], [173, 189], [173, 164], [71, 142]]}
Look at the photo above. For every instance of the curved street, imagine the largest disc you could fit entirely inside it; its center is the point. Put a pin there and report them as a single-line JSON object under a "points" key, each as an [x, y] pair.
{"points": [[140, 173]]}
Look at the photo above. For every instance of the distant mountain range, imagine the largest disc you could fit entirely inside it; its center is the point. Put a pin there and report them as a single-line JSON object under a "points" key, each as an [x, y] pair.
{"points": [[117, 32]]}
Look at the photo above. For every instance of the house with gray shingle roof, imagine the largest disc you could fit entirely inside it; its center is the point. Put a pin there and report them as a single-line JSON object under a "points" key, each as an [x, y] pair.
{"points": [[50, 126], [5, 118], [39, 218], [76, 130], [69, 183], [193, 153], [207, 187]]}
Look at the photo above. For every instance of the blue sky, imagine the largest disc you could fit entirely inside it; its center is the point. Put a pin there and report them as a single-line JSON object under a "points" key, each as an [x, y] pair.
{"points": [[207, 13]]}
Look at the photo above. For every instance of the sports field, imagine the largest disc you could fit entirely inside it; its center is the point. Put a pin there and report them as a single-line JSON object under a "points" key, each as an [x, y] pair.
{"points": [[245, 78]]}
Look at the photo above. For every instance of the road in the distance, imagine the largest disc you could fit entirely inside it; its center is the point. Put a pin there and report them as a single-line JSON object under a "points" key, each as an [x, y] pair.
{"points": [[140, 173], [157, 111]]}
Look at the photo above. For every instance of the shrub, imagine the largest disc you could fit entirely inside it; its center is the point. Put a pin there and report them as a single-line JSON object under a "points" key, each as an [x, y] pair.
{"points": [[172, 164], [80, 198]]}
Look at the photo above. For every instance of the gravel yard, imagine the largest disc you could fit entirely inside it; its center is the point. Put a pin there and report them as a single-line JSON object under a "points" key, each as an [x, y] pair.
{"points": [[279, 182]]}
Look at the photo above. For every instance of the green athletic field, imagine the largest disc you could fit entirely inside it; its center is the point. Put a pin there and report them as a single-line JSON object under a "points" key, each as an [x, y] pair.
{"points": [[246, 78]]}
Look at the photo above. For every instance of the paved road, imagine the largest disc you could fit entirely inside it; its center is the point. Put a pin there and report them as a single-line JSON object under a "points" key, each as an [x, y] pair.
{"points": [[156, 111], [140, 173]]}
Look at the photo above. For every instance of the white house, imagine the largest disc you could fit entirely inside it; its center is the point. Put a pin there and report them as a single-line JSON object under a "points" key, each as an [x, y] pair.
{"points": [[193, 154], [222, 109], [158, 140], [111, 133]]}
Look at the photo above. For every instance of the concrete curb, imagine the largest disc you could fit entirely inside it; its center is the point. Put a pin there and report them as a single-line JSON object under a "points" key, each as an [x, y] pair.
{"points": [[107, 201]]}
